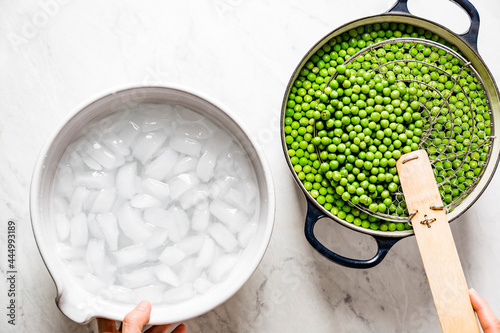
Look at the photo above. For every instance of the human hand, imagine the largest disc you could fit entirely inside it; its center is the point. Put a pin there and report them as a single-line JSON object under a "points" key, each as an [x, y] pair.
{"points": [[135, 320], [489, 322]]}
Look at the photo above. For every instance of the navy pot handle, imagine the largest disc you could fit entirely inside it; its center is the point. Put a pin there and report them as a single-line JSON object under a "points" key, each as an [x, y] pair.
{"points": [[314, 215], [470, 36]]}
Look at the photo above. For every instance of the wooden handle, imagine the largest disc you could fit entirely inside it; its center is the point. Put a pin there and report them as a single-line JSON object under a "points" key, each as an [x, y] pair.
{"points": [[436, 245]]}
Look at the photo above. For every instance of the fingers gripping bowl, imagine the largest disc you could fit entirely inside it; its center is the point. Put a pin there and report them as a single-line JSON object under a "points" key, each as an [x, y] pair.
{"points": [[128, 223]]}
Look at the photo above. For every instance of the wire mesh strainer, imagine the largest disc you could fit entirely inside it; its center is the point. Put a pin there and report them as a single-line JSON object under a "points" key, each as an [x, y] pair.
{"points": [[452, 116]]}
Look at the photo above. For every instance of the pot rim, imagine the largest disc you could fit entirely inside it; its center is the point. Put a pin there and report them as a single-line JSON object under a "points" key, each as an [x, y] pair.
{"points": [[380, 18]]}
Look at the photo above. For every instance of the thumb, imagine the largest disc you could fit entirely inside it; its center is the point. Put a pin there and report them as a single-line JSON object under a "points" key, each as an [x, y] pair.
{"points": [[135, 320]]}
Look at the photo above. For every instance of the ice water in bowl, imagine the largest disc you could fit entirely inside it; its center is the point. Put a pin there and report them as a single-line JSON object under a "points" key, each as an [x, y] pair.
{"points": [[154, 202]]}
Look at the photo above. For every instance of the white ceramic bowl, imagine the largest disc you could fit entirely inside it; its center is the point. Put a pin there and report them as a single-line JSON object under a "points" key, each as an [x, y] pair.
{"points": [[82, 306]]}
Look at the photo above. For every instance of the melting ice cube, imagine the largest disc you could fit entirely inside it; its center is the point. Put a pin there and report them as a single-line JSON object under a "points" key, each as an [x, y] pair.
{"points": [[185, 164], [131, 255], [201, 217], [206, 254], [181, 183], [177, 295], [132, 224], [144, 201], [104, 200], [172, 255], [167, 275], [63, 226], [138, 278], [109, 227], [162, 165], [79, 232], [156, 188], [223, 237], [147, 144], [221, 268], [126, 180], [186, 145], [233, 218]]}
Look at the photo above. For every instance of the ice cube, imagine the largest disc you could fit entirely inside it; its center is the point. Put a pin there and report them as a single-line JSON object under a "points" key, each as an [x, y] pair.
{"points": [[144, 201], [153, 293], [104, 157], [104, 200], [138, 278], [64, 181], [236, 197], [189, 272], [90, 162], [193, 196], [67, 252], [94, 227], [206, 166], [246, 234], [92, 283], [202, 285], [177, 295], [126, 178], [89, 201], [222, 267], [109, 226], [158, 239], [178, 227], [206, 253], [120, 294], [147, 144], [195, 131], [220, 141], [79, 231], [242, 166], [132, 224], [129, 133], [162, 165], [158, 217], [78, 267], [185, 165], [171, 256], [223, 237], [77, 200], [186, 114], [161, 111], [201, 217], [63, 226], [186, 145], [233, 218], [156, 188], [115, 144], [131, 255], [221, 184], [95, 180], [181, 183], [167, 275], [75, 160], [152, 124], [95, 256], [249, 187], [192, 244]]}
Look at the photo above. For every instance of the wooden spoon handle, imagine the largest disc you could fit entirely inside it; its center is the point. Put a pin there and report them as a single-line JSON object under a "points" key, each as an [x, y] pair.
{"points": [[436, 245]]}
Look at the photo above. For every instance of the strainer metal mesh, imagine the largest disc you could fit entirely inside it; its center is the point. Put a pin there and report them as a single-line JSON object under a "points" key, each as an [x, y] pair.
{"points": [[457, 128]]}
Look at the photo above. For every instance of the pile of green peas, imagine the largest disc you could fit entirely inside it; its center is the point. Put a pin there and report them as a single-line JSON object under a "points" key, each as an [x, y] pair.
{"points": [[344, 135]]}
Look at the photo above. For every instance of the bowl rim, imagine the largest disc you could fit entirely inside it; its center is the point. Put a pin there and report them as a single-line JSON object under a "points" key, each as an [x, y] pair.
{"points": [[158, 315]]}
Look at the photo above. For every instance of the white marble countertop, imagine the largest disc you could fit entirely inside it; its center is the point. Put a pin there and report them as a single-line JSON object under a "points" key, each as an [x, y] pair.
{"points": [[56, 54]]}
